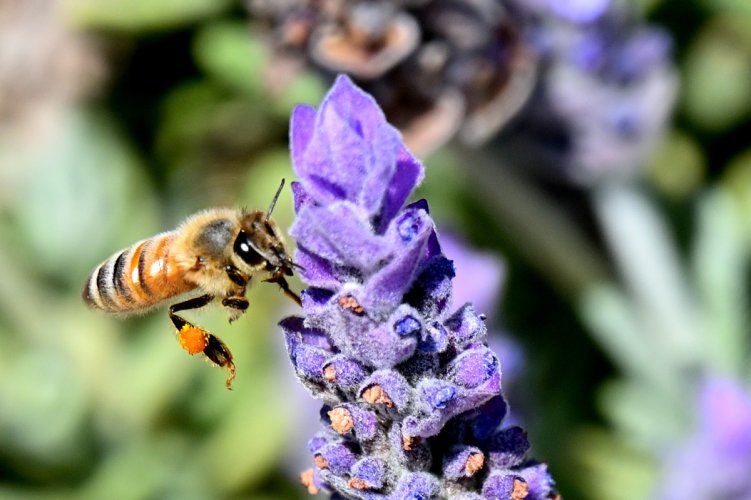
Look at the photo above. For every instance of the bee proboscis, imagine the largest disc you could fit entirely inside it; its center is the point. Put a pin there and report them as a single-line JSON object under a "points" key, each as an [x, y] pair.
{"points": [[215, 252]]}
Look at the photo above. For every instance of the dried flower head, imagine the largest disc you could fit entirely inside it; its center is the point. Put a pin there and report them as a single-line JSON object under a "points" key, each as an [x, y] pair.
{"points": [[436, 68], [44, 65], [412, 394]]}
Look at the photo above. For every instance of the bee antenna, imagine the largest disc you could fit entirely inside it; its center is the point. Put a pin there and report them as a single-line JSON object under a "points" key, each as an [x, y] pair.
{"points": [[273, 201]]}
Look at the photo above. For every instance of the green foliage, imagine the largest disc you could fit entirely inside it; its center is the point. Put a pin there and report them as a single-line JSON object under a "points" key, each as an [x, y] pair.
{"points": [[141, 15], [717, 77]]}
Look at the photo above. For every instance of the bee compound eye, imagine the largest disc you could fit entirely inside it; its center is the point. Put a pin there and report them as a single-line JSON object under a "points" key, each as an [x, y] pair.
{"points": [[245, 250]]}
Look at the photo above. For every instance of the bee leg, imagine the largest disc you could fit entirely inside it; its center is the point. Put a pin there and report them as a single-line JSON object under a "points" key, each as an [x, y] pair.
{"points": [[195, 339], [282, 282], [235, 301], [236, 305], [235, 276], [220, 355]]}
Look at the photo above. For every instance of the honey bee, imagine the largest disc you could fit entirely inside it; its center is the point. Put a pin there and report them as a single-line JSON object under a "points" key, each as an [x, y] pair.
{"points": [[215, 252]]}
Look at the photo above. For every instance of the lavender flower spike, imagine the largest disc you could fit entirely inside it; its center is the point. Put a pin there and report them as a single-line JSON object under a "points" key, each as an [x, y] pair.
{"points": [[411, 392]]}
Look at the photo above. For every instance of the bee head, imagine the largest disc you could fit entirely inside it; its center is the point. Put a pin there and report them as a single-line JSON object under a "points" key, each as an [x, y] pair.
{"points": [[259, 244]]}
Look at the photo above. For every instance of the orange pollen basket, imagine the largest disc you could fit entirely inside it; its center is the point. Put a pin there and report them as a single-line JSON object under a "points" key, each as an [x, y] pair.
{"points": [[192, 339]]}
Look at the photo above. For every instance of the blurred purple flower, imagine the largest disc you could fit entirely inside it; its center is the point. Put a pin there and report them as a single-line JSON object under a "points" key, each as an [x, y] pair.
{"points": [[606, 94], [575, 11], [412, 394], [716, 461], [479, 277]]}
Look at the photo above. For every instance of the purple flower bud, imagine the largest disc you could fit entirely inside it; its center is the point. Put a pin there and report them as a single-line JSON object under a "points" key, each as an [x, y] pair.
{"points": [[462, 462], [538, 480], [435, 339], [508, 448], [349, 418], [395, 390], [504, 485], [337, 457], [343, 372], [431, 293], [485, 419], [309, 362], [473, 367], [370, 473], [317, 442], [382, 346], [418, 486], [407, 326], [466, 326], [296, 333], [410, 452], [304, 352]]}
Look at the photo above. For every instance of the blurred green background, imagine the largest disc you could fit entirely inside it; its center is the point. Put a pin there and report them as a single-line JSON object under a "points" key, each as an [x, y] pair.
{"points": [[118, 119]]}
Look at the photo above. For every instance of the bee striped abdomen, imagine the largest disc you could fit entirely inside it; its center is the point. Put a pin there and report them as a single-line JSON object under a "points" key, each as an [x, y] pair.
{"points": [[136, 278]]}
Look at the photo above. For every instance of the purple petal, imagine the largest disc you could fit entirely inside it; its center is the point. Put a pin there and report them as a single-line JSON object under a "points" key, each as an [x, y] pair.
{"points": [[317, 272], [352, 151], [340, 233], [408, 175], [297, 333], [387, 287], [356, 106], [301, 128], [365, 422], [299, 197]]}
